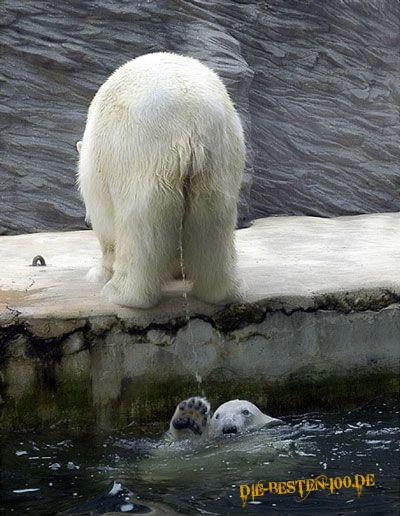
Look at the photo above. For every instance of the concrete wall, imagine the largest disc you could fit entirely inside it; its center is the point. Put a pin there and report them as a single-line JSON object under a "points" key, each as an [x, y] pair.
{"points": [[107, 374]]}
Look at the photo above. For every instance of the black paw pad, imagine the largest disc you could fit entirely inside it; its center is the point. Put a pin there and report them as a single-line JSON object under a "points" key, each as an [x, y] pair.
{"points": [[181, 422]]}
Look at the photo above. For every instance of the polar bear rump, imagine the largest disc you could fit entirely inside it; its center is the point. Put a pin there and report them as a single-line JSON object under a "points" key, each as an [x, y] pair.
{"points": [[160, 167]]}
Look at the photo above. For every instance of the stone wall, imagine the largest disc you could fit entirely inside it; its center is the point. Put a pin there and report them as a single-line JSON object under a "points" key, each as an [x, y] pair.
{"points": [[316, 84]]}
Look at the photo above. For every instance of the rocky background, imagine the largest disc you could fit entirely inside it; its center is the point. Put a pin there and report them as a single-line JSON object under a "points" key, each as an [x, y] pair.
{"points": [[317, 84]]}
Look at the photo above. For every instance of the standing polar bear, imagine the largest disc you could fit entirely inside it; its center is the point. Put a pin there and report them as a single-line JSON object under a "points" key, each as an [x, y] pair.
{"points": [[161, 162]]}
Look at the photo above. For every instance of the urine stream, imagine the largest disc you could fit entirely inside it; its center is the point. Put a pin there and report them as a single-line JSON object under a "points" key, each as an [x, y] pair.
{"points": [[197, 375]]}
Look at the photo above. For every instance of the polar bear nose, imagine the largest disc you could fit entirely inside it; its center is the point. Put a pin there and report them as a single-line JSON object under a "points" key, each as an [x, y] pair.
{"points": [[229, 429]]}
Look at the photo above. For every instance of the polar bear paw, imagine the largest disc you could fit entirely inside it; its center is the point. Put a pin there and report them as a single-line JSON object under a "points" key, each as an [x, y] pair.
{"points": [[117, 291], [219, 294], [191, 414], [99, 274]]}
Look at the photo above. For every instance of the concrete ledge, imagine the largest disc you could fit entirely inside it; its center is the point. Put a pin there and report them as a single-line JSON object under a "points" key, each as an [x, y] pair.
{"points": [[321, 310]]}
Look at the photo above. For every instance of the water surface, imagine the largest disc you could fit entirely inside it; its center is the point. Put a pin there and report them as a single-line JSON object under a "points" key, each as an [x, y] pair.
{"points": [[46, 474]]}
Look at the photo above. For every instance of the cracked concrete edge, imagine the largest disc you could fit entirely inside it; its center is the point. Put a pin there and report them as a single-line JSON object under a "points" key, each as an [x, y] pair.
{"points": [[8, 315], [225, 320]]}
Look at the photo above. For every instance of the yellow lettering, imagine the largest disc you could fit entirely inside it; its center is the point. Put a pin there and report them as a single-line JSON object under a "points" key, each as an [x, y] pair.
{"points": [[310, 484], [291, 486], [244, 493], [370, 481], [338, 482], [321, 482], [282, 488], [358, 483], [258, 489], [306, 486], [347, 482], [273, 487], [300, 483]]}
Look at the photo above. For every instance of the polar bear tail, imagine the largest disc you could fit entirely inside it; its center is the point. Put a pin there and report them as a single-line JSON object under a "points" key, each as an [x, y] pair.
{"points": [[186, 161]]}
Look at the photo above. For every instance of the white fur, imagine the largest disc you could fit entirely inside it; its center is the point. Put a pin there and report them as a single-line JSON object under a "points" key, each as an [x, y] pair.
{"points": [[232, 417], [161, 160], [240, 414]]}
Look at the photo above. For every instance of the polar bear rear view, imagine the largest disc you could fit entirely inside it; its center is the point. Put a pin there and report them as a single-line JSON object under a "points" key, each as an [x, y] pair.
{"points": [[161, 160]]}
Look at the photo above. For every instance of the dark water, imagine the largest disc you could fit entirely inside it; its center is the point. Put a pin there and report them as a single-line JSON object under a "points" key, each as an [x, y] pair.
{"points": [[75, 475]]}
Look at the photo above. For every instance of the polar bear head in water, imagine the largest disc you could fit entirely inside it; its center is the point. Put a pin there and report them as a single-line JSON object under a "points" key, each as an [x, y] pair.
{"points": [[238, 416], [192, 418]]}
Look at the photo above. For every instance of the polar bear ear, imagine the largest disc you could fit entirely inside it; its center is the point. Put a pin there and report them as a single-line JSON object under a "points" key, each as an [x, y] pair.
{"points": [[79, 146]]}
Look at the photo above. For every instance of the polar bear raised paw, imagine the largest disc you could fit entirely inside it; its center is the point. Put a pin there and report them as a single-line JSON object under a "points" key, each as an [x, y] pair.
{"points": [[191, 417]]}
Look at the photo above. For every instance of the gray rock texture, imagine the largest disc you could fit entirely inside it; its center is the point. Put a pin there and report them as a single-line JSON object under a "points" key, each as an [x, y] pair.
{"points": [[316, 84]]}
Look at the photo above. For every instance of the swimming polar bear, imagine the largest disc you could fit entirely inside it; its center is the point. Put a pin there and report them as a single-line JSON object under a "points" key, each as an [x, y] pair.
{"points": [[160, 168], [192, 418], [198, 442]]}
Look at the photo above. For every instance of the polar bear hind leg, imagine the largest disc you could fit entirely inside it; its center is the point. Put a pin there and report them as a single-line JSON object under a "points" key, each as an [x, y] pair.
{"points": [[100, 212], [147, 237], [211, 212], [209, 251]]}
